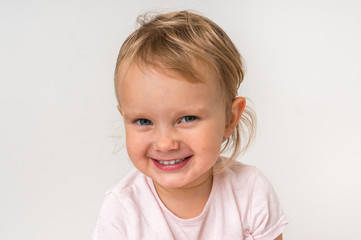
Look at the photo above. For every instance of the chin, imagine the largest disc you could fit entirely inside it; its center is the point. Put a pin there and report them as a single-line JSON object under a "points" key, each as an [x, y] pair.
{"points": [[170, 184]]}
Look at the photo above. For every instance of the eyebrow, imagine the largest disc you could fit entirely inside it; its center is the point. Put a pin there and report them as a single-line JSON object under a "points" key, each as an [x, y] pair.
{"points": [[195, 111], [188, 112], [133, 116]]}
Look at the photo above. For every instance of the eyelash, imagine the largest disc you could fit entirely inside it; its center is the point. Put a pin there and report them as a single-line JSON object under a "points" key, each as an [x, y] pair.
{"points": [[139, 122], [146, 122], [187, 117]]}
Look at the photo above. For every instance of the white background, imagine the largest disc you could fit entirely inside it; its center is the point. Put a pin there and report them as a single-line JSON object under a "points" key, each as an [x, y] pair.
{"points": [[58, 111]]}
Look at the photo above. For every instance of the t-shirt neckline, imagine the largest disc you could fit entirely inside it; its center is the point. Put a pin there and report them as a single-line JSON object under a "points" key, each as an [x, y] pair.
{"points": [[187, 221]]}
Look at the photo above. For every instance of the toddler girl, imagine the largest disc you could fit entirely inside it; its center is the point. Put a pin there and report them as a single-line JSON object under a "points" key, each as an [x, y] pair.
{"points": [[176, 82]]}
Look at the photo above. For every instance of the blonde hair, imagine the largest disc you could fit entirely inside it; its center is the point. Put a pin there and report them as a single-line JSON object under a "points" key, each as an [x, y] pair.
{"points": [[174, 42]]}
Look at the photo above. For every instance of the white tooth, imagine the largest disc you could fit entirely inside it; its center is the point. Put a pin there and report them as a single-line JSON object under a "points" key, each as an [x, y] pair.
{"points": [[171, 162]]}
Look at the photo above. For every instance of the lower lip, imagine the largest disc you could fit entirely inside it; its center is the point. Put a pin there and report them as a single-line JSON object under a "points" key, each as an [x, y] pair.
{"points": [[171, 167]]}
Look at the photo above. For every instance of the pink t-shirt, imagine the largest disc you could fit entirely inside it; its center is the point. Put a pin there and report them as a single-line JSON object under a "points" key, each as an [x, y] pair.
{"points": [[242, 205]]}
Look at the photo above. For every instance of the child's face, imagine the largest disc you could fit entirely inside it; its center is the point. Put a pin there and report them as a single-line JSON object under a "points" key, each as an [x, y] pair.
{"points": [[168, 119]]}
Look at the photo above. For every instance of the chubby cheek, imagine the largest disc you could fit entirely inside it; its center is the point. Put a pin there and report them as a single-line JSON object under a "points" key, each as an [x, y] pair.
{"points": [[207, 142], [136, 146]]}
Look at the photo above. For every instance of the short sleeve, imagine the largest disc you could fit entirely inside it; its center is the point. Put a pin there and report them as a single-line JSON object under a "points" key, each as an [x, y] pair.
{"points": [[267, 220], [108, 223]]}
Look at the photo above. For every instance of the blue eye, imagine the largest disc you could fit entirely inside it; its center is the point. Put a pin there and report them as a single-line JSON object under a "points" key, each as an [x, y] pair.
{"points": [[143, 122], [188, 119]]}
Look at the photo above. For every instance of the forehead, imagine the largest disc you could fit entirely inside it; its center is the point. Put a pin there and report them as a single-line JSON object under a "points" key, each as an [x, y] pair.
{"points": [[204, 74], [144, 85]]}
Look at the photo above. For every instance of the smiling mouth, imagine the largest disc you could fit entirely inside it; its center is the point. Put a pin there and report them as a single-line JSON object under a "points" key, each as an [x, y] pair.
{"points": [[172, 162]]}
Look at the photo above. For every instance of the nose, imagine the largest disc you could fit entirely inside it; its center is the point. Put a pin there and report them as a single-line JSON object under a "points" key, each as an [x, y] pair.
{"points": [[166, 140]]}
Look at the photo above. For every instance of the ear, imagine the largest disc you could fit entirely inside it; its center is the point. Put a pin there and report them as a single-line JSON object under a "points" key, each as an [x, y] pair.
{"points": [[120, 110], [237, 109]]}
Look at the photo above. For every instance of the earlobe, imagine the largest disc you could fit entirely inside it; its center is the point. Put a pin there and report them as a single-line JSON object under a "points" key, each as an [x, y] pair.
{"points": [[120, 110], [238, 106]]}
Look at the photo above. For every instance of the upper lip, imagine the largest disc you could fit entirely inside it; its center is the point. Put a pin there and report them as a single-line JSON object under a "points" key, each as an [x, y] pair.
{"points": [[169, 159]]}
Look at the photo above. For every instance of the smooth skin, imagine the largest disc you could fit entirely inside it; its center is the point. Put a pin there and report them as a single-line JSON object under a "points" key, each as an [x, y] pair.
{"points": [[169, 118]]}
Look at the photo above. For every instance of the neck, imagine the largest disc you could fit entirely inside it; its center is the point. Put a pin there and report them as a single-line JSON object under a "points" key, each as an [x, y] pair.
{"points": [[188, 201]]}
